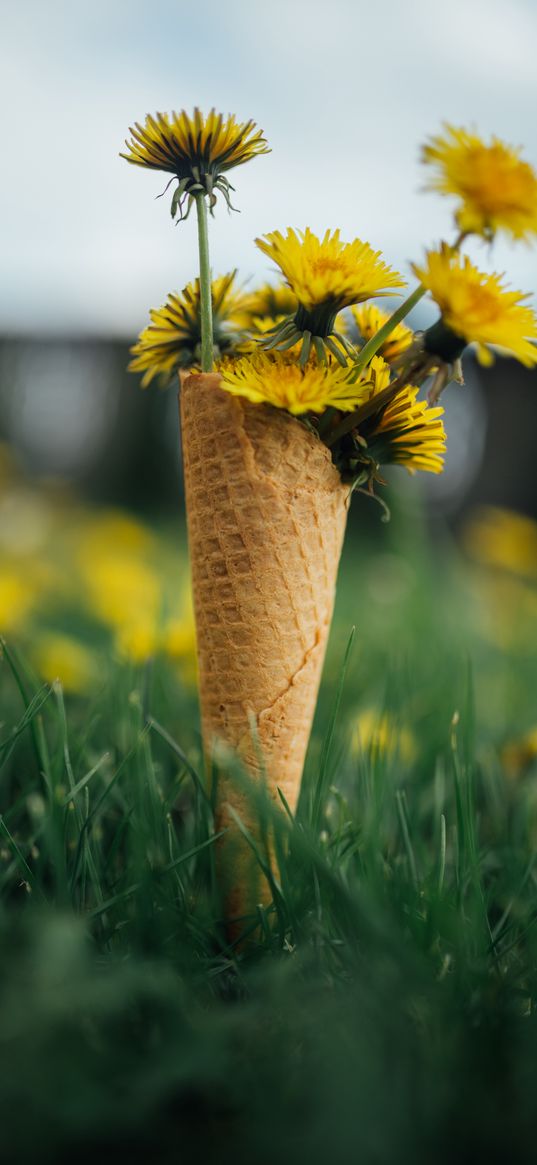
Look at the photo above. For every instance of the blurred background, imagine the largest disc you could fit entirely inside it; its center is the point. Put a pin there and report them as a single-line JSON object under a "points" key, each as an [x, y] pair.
{"points": [[94, 589], [346, 95]]}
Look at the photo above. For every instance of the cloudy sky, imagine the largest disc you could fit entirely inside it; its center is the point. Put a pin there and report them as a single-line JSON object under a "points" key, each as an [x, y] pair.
{"points": [[345, 90]]}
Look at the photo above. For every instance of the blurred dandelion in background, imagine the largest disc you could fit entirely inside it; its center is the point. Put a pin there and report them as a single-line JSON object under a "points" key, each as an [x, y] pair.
{"points": [[81, 585]]}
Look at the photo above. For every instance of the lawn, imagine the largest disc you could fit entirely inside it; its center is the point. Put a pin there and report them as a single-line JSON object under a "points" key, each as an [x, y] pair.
{"points": [[381, 1008]]}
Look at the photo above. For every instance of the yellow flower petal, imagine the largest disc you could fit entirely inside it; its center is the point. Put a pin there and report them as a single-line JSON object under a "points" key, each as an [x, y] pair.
{"points": [[478, 307], [274, 380], [369, 319], [329, 271], [177, 142], [71, 662], [496, 189], [408, 431], [173, 338]]}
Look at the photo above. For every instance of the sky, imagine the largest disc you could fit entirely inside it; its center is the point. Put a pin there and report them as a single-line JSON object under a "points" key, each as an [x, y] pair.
{"points": [[345, 90]]}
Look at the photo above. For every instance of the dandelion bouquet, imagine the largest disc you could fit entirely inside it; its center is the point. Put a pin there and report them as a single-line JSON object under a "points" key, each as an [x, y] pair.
{"points": [[293, 396]]}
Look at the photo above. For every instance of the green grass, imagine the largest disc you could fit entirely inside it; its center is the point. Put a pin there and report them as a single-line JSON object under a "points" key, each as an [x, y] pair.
{"points": [[384, 1011]]}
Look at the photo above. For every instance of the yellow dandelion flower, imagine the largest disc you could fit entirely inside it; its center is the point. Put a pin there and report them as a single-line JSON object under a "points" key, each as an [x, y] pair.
{"points": [[325, 275], [111, 531], [410, 433], [503, 538], [328, 272], [369, 319], [476, 308], [120, 587], [274, 380], [406, 432], [496, 189], [272, 301], [173, 338], [380, 735], [59, 657], [197, 150], [505, 609], [376, 377], [179, 639], [18, 594], [113, 553], [519, 755], [137, 640], [178, 643]]}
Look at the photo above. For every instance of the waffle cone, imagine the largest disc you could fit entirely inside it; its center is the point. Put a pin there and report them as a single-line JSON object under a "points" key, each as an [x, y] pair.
{"points": [[266, 514]]}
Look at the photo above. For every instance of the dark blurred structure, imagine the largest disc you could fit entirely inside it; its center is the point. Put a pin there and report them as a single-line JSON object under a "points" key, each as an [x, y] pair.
{"points": [[70, 410]]}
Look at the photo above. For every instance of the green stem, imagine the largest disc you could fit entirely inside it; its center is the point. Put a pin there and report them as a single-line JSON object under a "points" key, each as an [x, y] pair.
{"points": [[371, 348], [206, 306], [325, 421]]}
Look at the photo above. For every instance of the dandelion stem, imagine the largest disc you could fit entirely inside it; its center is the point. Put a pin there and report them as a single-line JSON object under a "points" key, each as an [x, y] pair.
{"points": [[371, 348], [206, 308]]}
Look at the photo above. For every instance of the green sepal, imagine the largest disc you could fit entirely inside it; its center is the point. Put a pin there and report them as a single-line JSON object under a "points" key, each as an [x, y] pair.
{"points": [[290, 343], [305, 349], [333, 348], [178, 195]]}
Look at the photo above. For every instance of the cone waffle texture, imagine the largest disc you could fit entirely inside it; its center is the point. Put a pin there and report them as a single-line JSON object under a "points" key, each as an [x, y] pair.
{"points": [[266, 513]]}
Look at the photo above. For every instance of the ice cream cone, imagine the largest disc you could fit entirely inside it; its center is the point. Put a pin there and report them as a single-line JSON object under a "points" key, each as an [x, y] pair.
{"points": [[266, 513]]}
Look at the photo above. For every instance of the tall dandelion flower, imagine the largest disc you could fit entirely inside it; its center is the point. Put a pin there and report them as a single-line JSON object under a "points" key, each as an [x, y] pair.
{"points": [[275, 380], [325, 275], [197, 150], [173, 338], [476, 308], [496, 189]]}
